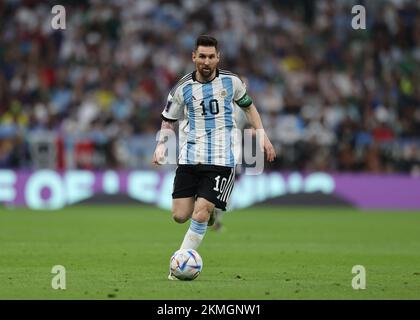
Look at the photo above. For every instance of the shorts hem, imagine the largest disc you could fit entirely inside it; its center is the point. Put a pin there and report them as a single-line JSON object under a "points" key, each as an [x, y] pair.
{"points": [[217, 204]]}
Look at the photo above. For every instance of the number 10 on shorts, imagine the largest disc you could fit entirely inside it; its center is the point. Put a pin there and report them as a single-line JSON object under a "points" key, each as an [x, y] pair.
{"points": [[222, 184]]}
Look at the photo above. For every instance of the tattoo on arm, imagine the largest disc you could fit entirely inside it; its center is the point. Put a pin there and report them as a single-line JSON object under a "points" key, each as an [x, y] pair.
{"points": [[166, 125]]}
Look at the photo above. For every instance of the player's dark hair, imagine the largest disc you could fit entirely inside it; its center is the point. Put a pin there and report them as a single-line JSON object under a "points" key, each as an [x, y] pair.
{"points": [[206, 41]]}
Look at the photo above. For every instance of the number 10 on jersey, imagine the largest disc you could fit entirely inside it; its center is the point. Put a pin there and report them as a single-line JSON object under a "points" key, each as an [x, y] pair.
{"points": [[213, 107]]}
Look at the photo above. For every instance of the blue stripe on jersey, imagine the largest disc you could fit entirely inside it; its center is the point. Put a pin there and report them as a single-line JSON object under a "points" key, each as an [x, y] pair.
{"points": [[210, 121], [187, 94], [228, 85]]}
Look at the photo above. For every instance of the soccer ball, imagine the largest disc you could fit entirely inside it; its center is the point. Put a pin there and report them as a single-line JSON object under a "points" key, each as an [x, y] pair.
{"points": [[186, 264]]}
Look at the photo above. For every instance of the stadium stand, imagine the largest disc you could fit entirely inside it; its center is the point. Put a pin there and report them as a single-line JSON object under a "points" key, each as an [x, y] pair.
{"points": [[90, 96]]}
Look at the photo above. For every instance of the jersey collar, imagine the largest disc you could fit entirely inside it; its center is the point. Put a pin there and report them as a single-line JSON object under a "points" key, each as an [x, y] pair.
{"points": [[195, 78]]}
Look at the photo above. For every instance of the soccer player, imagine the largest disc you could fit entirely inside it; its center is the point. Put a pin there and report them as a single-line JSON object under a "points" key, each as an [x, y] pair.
{"points": [[204, 102]]}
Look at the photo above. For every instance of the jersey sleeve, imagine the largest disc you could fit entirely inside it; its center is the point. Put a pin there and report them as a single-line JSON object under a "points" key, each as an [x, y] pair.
{"points": [[240, 95], [174, 108]]}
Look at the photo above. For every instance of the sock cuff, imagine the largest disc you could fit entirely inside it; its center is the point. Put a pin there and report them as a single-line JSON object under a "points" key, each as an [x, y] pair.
{"points": [[198, 227]]}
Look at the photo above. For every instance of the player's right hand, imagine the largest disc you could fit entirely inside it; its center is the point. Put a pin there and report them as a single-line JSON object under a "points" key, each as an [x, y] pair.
{"points": [[159, 154]]}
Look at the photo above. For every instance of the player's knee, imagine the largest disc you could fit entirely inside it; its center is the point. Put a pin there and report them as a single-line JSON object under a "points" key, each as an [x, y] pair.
{"points": [[179, 217], [202, 214]]}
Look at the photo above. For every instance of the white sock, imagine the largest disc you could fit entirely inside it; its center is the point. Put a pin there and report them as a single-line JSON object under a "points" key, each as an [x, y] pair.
{"points": [[194, 235]]}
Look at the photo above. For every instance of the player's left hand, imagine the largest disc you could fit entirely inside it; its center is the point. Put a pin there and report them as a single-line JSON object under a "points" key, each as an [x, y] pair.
{"points": [[269, 149]]}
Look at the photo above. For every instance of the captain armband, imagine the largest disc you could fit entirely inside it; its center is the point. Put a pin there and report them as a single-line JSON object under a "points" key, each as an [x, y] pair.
{"points": [[245, 101]]}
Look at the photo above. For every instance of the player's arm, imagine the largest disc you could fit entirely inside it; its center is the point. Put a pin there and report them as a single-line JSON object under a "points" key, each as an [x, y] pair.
{"points": [[170, 115], [159, 153], [254, 119], [243, 100]]}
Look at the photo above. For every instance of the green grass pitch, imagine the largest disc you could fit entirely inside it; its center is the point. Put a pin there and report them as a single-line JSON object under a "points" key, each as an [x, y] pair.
{"points": [[122, 252]]}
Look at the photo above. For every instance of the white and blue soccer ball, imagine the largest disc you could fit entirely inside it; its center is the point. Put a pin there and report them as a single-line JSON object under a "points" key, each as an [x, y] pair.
{"points": [[186, 264]]}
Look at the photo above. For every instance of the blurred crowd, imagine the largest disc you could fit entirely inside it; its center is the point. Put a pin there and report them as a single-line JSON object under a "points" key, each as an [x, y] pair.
{"points": [[90, 96]]}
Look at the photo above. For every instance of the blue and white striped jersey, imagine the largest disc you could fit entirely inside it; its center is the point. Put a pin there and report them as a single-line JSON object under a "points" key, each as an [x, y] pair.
{"points": [[207, 117]]}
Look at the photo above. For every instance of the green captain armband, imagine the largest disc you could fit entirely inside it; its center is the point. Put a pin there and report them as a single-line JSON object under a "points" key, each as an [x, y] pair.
{"points": [[245, 101]]}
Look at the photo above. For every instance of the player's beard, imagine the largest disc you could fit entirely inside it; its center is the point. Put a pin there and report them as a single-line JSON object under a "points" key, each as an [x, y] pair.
{"points": [[206, 73]]}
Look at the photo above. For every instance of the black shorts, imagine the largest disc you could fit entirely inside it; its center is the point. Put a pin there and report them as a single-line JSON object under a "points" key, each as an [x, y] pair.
{"points": [[213, 183]]}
